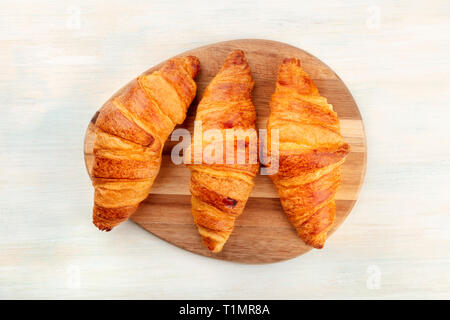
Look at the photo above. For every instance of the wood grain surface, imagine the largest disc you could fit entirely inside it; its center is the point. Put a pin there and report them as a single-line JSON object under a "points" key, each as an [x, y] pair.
{"points": [[262, 233]]}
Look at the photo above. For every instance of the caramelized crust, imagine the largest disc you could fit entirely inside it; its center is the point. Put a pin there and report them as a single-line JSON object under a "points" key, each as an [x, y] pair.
{"points": [[107, 218], [292, 164], [311, 151], [112, 121], [220, 191], [131, 129]]}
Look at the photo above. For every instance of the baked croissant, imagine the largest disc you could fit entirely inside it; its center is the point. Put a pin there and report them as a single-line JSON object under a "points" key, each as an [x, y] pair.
{"points": [[131, 129], [220, 190], [311, 152]]}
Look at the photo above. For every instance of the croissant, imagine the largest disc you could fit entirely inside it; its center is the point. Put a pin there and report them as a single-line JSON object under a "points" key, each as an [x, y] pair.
{"points": [[131, 129], [220, 190], [311, 151]]}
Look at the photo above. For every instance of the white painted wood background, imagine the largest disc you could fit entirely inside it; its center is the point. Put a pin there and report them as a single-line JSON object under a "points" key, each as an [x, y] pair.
{"points": [[60, 60]]}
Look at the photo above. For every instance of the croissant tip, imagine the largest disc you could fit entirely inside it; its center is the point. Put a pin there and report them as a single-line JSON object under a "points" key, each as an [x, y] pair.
{"points": [[346, 148], [194, 64], [102, 227], [238, 52], [315, 243], [212, 245], [292, 61], [236, 57]]}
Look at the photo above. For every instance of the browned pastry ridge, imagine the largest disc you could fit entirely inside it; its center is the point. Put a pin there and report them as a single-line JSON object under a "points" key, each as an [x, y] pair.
{"points": [[311, 152], [220, 191], [131, 130]]}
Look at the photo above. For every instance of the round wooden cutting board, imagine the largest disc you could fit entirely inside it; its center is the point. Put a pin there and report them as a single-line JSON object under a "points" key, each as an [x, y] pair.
{"points": [[262, 234]]}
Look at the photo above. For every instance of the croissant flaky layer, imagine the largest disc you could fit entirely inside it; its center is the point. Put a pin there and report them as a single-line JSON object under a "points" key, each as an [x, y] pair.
{"points": [[220, 191], [311, 151], [131, 130]]}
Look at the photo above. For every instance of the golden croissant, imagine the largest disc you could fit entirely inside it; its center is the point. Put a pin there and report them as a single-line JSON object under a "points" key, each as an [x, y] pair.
{"points": [[131, 129], [311, 152], [220, 190]]}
